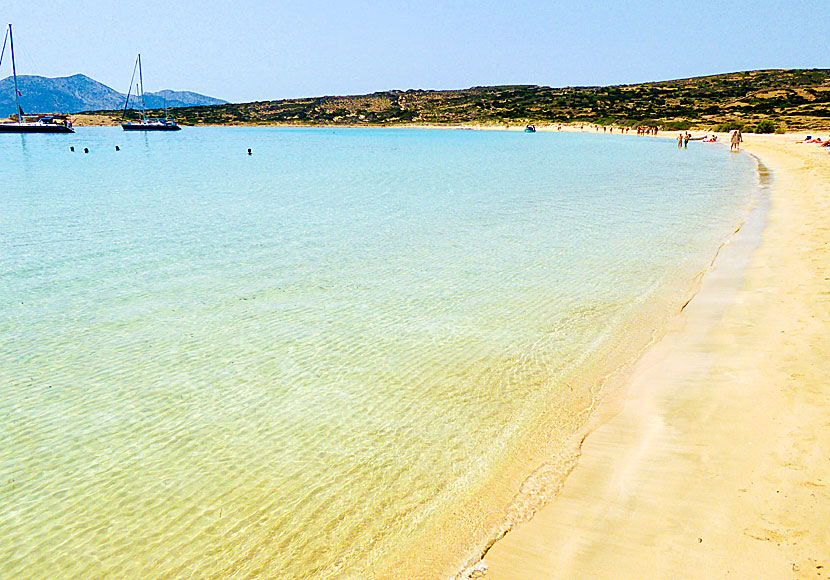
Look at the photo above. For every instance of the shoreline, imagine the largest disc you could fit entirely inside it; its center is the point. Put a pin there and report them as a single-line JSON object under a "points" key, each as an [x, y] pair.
{"points": [[539, 482], [87, 121], [614, 383], [608, 400], [690, 468]]}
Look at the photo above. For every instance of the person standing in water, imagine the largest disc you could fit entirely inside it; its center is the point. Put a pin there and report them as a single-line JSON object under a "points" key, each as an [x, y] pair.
{"points": [[735, 141], [679, 140]]}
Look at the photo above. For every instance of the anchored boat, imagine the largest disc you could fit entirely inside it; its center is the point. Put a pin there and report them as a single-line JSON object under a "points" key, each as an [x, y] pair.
{"points": [[145, 124], [23, 123]]}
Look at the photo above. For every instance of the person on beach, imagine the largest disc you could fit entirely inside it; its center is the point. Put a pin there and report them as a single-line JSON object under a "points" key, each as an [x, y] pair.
{"points": [[735, 141], [679, 140], [686, 138]]}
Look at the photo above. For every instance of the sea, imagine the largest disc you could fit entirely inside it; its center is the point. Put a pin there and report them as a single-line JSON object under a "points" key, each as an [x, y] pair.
{"points": [[353, 353]]}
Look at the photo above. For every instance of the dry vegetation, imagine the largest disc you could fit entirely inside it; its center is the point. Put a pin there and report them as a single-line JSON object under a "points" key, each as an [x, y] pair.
{"points": [[785, 99]]}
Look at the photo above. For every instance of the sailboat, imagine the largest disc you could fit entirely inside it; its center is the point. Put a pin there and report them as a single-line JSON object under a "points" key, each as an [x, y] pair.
{"points": [[30, 123], [145, 124]]}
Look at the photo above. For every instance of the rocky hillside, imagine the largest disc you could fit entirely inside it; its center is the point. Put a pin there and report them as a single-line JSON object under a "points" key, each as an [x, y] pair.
{"points": [[790, 99]]}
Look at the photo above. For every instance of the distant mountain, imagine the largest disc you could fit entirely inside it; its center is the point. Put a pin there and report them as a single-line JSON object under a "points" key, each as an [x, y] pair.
{"points": [[80, 93]]}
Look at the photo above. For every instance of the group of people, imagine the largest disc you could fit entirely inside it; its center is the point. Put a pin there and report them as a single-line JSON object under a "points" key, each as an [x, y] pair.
{"points": [[817, 140], [735, 140], [649, 130], [684, 138]]}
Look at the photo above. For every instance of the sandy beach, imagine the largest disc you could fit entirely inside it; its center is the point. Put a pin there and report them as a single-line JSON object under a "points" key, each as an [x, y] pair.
{"points": [[714, 460]]}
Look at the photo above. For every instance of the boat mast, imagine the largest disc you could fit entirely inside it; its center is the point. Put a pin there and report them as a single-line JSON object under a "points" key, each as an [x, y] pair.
{"points": [[14, 73], [141, 83], [130, 90]]}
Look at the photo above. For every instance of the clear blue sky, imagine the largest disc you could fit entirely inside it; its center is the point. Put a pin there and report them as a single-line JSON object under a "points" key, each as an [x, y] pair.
{"points": [[260, 50]]}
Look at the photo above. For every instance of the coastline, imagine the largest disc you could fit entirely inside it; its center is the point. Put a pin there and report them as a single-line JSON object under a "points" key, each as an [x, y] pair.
{"points": [[616, 399], [713, 459], [224, 504], [87, 120], [434, 554]]}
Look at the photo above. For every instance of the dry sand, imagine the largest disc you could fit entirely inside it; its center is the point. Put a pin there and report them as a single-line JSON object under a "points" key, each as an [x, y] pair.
{"points": [[714, 462]]}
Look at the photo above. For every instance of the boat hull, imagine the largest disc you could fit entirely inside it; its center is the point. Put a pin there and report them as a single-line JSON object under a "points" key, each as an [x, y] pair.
{"points": [[17, 128], [139, 127]]}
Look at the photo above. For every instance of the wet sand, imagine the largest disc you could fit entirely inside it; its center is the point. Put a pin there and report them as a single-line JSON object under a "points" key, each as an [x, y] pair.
{"points": [[714, 460]]}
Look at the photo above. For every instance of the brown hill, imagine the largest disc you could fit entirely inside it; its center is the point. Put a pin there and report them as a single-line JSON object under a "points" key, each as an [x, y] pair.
{"points": [[791, 99]]}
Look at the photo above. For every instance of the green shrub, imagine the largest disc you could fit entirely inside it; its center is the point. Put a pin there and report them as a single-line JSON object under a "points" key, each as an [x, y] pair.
{"points": [[729, 126], [677, 125], [765, 126]]}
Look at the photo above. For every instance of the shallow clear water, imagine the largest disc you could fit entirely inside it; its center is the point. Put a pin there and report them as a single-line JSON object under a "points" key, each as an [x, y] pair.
{"points": [[285, 365]]}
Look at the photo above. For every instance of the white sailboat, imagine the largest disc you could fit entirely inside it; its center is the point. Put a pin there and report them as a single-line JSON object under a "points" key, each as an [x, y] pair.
{"points": [[145, 124], [22, 122]]}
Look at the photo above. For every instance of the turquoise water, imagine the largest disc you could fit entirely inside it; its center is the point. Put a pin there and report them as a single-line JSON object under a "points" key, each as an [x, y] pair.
{"points": [[295, 364]]}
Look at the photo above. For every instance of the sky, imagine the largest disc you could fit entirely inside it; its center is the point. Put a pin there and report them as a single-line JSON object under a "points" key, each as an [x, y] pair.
{"points": [[261, 50]]}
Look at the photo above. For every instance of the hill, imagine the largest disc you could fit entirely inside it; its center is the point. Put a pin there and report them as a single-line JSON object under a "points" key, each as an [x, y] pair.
{"points": [[80, 93], [791, 99]]}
